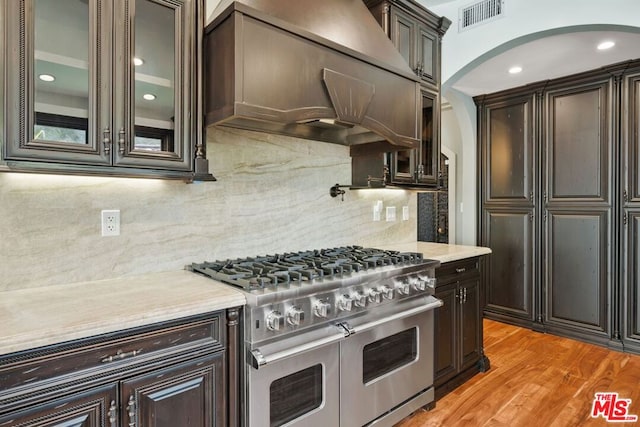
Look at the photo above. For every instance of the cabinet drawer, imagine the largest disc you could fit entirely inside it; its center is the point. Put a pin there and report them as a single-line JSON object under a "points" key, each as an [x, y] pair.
{"points": [[457, 270], [114, 351]]}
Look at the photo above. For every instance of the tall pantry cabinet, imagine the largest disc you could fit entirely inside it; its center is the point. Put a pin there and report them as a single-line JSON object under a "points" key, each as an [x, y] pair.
{"points": [[630, 132], [560, 205]]}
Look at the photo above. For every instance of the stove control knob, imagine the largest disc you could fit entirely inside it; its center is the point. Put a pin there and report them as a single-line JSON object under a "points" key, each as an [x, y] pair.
{"points": [[359, 299], [345, 303], [322, 309], [403, 288], [374, 295], [387, 292], [295, 316], [431, 282], [420, 285], [275, 321]]}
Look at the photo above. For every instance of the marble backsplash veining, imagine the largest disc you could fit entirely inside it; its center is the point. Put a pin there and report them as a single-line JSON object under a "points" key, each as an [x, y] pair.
{"points": [[272, 195]]}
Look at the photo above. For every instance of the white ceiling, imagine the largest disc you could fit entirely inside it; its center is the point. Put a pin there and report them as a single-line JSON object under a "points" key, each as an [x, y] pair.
{"points": [[545, 58], [548, 58]]}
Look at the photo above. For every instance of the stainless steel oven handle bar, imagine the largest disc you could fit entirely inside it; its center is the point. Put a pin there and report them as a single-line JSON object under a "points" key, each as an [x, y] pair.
{"points": [[432, 305], [260, 360]]}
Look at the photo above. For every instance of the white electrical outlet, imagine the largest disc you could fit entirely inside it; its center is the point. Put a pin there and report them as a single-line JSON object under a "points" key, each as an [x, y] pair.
{"points": [[110, 222], [405, 213], [391, 213]]}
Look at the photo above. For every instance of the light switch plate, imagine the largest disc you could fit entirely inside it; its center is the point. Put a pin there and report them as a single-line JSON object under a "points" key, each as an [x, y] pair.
{"points": [[405, 213], [391, 213]]}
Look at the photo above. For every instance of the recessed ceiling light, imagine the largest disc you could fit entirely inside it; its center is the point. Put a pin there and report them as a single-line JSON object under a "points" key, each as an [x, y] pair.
{"points": [[46, 77], [606, 45], [137, 61], [515, 70], [149, 96]]}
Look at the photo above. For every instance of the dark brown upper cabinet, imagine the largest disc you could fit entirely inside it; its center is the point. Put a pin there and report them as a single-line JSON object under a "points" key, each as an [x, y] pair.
{"points": [[102, 87], [417, 34], [418, 44], [421, 166]]}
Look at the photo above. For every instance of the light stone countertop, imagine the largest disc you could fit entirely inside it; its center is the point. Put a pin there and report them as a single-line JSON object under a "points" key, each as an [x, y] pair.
{"points": [[442, 252], [36, 317]]}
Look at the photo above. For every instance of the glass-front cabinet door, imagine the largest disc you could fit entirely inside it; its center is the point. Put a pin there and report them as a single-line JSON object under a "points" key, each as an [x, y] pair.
{"points": [[100, 83], [57, 99], [420, 166], [153, 67], [429, 160]]}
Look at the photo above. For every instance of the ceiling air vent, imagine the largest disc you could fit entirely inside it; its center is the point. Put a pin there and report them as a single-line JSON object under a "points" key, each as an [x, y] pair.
{"points": [[480, 13]]}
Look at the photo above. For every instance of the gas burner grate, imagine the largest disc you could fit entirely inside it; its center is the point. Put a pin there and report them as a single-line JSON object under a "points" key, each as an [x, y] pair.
{"points": [[273, 271]]}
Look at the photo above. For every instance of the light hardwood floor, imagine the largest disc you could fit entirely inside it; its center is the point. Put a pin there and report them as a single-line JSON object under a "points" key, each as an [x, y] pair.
{"points": [[536, 380]]}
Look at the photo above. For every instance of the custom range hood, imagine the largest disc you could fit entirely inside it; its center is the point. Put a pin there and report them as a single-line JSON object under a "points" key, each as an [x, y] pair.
{"points": [[314, 69]]}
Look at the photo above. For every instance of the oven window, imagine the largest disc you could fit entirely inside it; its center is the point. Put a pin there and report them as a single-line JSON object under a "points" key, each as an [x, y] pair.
{"points": [[295, 395], [388, 354]]}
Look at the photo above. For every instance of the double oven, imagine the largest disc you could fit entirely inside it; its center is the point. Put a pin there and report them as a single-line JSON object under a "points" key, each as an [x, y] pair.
{"points": [[349, 347]]}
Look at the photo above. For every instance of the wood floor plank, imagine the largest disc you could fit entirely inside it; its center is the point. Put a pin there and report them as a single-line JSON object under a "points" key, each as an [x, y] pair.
{"points": [[536, 380]]}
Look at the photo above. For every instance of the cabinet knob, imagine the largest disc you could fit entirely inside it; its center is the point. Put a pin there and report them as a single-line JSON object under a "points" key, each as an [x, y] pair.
{"points": [[461, 270]]}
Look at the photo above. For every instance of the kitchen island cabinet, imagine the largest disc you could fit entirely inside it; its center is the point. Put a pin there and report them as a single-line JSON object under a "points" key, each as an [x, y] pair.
{"points": [[167, 352]]}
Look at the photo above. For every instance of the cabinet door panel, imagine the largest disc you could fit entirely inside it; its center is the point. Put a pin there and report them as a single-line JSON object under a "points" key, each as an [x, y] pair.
{"points": [[152, 115], [403, 34], [57, 91], [470, 347], [181, 395], [428, 54], [429, 160], [632, 279], [445, 359], [421, 166], [509, 234], [631, 136], [508, 152], [577, 268], [578, 144], [93, 408]]}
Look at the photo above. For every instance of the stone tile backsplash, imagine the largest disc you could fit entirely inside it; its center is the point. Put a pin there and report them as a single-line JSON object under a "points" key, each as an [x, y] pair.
{"points": [[272, 195]]}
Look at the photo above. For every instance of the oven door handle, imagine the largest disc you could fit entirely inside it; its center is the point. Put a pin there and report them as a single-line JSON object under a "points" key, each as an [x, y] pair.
{"points": [[259, 360], [432, 304]]}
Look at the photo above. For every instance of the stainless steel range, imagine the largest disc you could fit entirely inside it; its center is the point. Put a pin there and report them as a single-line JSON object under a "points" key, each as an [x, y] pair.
{"points": [[334, 337]]}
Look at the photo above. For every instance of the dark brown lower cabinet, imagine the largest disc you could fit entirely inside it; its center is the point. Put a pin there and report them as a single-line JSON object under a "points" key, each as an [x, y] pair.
{"points": [[92, 408], [459, 350], [183, 395], [167, 375]]}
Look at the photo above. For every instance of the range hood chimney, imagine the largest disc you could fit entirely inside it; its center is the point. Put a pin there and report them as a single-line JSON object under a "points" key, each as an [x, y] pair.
{"points": [[321, 70]]}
